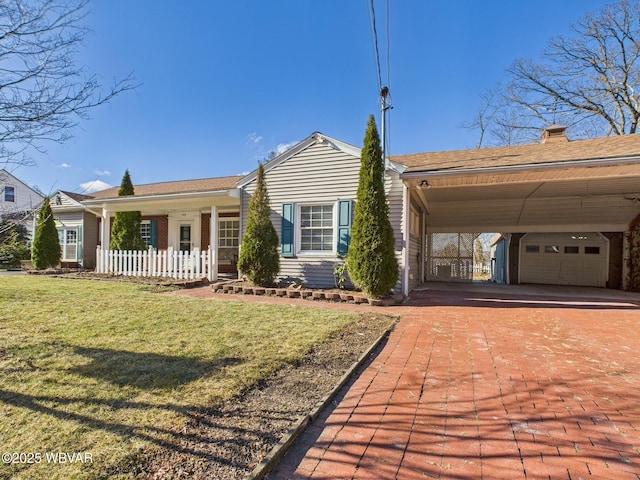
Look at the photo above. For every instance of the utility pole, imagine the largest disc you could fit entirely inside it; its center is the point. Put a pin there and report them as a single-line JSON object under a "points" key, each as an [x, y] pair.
{"points": [[385, 104]]}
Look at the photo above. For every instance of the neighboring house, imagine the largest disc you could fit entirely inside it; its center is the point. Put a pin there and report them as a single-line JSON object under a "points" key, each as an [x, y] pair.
{"points": [[77, 229], [563, 209], [17, 200]]}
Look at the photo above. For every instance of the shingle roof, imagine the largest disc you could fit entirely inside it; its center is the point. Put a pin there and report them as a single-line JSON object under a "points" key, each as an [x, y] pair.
{"points": [[78, 197], [168, 188], [551, 152]]}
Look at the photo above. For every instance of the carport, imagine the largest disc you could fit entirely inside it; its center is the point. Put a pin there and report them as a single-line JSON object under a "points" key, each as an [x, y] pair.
{"points": [[557, 194]]}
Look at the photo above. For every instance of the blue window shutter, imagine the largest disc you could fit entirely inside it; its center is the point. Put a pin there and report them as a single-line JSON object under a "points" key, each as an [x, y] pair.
{"points": [[154, 233], [344, 225], [286, 231]]}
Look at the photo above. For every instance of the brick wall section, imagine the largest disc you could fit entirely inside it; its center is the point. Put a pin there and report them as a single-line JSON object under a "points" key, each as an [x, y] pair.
{"points": [[162, 223], [205, 230]]}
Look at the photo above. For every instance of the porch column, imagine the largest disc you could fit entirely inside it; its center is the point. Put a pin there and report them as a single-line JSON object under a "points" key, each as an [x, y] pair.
{"points": [[105, 229], [213, 247]]}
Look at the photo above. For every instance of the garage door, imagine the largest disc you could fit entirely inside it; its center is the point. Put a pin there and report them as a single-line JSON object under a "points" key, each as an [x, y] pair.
{"points": [[564, 259]]}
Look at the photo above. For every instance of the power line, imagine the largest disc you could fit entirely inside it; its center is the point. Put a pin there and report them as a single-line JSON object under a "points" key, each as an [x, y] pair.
{"points": [[374, 32], [388, 47], [383, 89]]}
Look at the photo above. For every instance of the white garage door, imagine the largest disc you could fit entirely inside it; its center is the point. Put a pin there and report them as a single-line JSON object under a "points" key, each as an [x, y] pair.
{"points": [[564, 259]]}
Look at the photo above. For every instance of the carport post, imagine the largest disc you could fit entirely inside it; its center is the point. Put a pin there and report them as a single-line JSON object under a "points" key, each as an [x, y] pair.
{"points": [[405, 238]]}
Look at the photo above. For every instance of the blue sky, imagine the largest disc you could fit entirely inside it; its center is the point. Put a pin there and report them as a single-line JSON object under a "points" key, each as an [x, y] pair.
{"points": [[225, 82]]}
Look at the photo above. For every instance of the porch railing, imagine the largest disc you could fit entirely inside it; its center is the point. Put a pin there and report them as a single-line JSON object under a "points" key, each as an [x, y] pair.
{"points": [[156, 263]]}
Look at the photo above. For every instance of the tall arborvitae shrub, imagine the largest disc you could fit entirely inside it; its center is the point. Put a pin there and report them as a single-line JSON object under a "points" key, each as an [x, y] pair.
{"points": [[371, 262], [259, 260], [125, 232], [45, 251]]}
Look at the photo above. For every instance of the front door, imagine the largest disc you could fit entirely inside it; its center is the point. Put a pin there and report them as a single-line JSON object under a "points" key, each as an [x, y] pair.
{"points": [[185, 237]]}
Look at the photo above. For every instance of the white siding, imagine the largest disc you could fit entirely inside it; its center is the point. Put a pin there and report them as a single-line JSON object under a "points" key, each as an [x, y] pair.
{"points": [[26, 199], [395, 199], [60, 200], [318, 174]]}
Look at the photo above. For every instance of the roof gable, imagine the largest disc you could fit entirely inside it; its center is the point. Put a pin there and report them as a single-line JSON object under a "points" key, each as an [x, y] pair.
{"points": [[8, 178], [315, 138], [62, 199]]}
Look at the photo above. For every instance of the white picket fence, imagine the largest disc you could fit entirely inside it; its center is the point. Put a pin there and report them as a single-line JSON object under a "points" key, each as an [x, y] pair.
{"points": [[156, 263]]}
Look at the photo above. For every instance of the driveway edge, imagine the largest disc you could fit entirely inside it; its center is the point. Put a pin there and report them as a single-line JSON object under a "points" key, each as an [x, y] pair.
{"points": [[281, 448]]}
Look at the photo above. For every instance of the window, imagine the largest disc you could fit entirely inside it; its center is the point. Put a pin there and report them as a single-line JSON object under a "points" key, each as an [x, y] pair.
{"points": [[572, 250], [551, 249], [9, 194], [68, 243], [321, 228], [532, 249], [592, 250], [316, 228], [145, 232], [228, 232], [149, 233]]}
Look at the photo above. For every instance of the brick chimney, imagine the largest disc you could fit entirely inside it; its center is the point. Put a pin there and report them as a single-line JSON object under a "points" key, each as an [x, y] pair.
{"points": [[554, 133]]}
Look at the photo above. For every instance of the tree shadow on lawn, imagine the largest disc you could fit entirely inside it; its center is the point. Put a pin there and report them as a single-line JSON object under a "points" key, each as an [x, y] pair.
{"points": [[145, 371], [166, 437]]}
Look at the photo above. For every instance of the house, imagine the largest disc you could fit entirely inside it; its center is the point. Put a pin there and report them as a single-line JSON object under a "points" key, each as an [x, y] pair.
{"points": [[563, 209], [17, 200], [175, 215], [312, 189]]}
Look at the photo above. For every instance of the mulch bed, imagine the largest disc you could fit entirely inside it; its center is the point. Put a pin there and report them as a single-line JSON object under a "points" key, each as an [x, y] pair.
{"points": [[299, 291], [231, 440], [152, 281]]}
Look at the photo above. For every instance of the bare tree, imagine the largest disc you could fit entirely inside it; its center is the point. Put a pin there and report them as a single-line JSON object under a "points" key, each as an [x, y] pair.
{"points": [[589, 81], [500, 123], [43, 91], [489, 107]]}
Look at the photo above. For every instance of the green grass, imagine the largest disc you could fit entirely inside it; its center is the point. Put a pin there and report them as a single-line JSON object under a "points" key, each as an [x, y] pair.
{"points": [[113, 370]]}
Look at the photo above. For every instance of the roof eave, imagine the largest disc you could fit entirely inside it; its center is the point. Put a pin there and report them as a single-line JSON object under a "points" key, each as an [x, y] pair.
{"points": [[596, 162], [232, 192]]}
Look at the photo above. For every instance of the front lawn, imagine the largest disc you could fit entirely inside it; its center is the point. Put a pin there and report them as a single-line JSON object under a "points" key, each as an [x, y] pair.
{"points": [[110, 370]]}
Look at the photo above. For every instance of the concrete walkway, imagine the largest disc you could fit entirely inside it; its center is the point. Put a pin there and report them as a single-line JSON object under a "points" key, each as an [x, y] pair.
{"points": [[489, 382]]}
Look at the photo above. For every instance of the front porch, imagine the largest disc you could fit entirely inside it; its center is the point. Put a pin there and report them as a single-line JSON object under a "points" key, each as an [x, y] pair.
{"points": [[191, 228]]}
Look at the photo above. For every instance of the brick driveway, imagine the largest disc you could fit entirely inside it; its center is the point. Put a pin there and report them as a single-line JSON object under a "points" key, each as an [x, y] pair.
{"points": [[495, 384]]}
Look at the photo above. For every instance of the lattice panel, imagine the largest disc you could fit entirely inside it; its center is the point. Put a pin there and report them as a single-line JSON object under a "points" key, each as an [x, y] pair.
{"points": [[450, 256]]}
